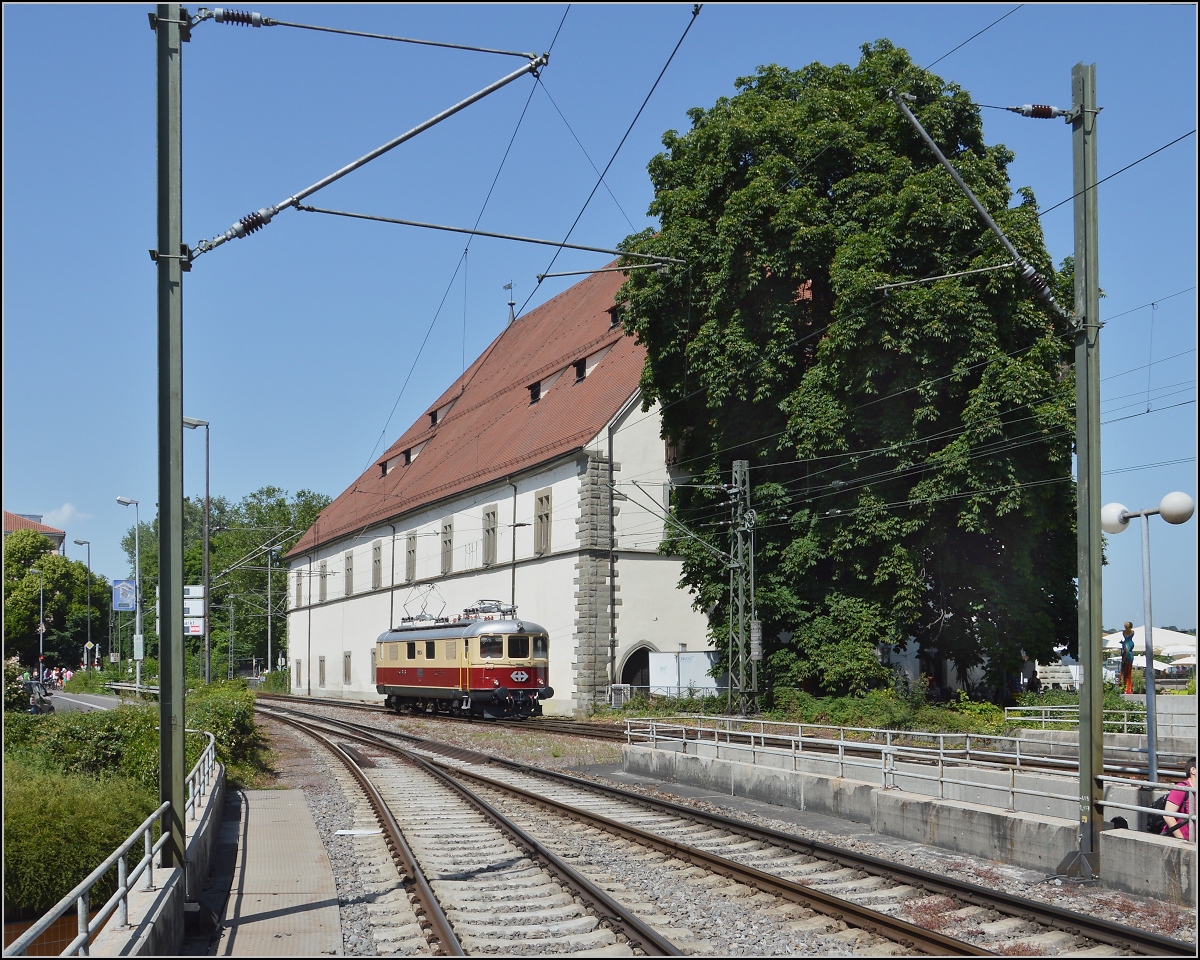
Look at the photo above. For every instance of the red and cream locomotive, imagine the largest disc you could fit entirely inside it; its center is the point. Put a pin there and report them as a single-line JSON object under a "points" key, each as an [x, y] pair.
{"points": [[483, 663]]}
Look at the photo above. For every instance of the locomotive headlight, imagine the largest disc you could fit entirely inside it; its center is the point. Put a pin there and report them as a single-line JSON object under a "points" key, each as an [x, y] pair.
{"points": [[495, 683]]}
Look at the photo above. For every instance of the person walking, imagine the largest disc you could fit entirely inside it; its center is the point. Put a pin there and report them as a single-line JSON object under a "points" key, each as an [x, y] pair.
{"points": [[1179, 800], [1127, 657]]}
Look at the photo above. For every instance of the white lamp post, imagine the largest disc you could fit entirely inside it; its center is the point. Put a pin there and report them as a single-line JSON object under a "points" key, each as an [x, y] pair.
{"points": [[1114, 518], [41, 622], [88, 544], [192, 425], [138, 637]]}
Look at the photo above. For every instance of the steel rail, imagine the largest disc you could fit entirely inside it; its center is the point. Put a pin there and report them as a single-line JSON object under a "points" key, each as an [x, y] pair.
{"points": [[891, 928], [435, 924], [860, 917], [638, 933], [1102, 931]]}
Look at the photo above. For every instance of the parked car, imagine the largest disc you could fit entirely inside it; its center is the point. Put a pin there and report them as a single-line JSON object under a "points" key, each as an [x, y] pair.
{"points": [[39, 697]]}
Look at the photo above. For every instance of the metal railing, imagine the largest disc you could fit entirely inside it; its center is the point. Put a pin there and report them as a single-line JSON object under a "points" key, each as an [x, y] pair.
{"points": [[1128, 721], [880, 751], [1189, 816], [197, 786]]}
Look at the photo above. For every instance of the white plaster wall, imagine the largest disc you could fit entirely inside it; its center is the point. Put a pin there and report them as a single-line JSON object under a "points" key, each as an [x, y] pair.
{"points": [[544, 585], [652, 607]]}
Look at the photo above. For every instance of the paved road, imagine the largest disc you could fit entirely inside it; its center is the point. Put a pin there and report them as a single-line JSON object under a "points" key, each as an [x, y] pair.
{"points": [[65, 702]]}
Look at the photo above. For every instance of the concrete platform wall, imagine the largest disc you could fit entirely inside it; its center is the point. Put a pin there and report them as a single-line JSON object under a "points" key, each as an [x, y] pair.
{"points": [[157, 917], [1024, 838]]}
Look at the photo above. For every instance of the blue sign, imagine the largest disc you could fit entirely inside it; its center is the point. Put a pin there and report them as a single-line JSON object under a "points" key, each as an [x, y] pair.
{"points": [[124, 595]]}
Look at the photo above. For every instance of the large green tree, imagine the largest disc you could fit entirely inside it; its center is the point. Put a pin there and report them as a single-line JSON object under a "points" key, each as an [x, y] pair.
{"points": [[910, 447], [61, 594], [246, 544]]}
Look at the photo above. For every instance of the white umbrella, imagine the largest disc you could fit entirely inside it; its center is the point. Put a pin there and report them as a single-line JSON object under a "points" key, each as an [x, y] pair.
{"points": [[1159, 666], [1163, 639]]}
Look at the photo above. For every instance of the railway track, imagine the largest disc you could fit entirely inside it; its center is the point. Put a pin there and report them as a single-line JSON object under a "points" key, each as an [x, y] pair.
{"points": [[611, 732], [840, 894]]}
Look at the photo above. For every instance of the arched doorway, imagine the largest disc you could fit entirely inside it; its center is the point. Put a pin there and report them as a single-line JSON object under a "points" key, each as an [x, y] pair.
{"points": [[636, 669]]}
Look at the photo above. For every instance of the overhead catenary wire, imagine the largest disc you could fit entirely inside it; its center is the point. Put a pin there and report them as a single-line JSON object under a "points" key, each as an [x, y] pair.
{"points": [[249, 19], [489, 233], [695, 13], [478, 219]]}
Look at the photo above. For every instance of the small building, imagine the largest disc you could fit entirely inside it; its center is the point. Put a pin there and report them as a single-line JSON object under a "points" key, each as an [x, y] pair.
{"points": [[536, 479], [33, 521]]}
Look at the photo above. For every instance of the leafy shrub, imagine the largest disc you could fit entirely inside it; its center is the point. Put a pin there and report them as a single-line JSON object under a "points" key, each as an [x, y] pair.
{"points": [[278, 681], [59, 827], [89, 681], [14, 689], [227, 711]]}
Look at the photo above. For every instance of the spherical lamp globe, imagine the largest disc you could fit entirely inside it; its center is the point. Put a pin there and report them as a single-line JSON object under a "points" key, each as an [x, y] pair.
{"points": [[1113, 518]]}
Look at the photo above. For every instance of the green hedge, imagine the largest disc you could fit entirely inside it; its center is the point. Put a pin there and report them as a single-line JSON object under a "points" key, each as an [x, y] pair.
{"points": [[59, 827], [77, 784]]}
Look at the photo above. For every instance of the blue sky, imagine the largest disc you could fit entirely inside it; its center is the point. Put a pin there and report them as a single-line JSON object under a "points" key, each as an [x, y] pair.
{"points": [[299, 340]]}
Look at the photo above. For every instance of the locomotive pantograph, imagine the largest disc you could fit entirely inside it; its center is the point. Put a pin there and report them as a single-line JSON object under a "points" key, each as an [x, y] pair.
{"points": [[483, 663]]}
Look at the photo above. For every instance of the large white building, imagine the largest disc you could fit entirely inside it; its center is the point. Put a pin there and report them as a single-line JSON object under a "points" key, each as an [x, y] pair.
{"points": [[536, 479]]}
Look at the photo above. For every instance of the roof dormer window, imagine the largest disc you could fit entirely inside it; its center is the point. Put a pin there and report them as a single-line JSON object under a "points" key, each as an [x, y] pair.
{"points": [[535, 392], [580, 369]]}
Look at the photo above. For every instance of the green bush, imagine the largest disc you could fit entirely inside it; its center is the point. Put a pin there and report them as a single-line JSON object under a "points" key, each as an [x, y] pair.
{"points": [[226, 710], [278, 681], [89, 681], [59, 827]]}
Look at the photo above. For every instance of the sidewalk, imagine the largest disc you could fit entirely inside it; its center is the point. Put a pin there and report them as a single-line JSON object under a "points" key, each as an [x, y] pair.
{"points": [[271, 884]]}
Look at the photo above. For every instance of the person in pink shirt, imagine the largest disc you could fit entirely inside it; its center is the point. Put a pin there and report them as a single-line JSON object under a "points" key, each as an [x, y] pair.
{"points": [[1179, 801]]}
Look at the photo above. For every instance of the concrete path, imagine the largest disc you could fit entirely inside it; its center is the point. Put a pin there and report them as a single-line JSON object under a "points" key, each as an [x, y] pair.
{"points": [[282, 899]]}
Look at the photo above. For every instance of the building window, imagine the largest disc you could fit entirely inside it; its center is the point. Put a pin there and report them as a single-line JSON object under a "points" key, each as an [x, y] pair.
{"points": [[376, 565], [321, 672], [541, 523], [410, 558], [299, 588], [580, 369], [324, 581], [535, 392], [349, 572], [447, 547], [345, 668], [298, 683], [490, 532]]}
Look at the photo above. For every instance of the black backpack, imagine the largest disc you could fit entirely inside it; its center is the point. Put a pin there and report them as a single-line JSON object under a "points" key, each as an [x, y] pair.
{"points": [[1154, 822]]}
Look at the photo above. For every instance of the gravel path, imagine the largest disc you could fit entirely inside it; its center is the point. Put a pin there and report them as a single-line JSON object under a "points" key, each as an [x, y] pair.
{"points": [[300, 765]]}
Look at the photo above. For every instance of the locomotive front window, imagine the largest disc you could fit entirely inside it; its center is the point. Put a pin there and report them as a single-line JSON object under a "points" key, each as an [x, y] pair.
{"points": [[491, 648], [430, 649], [541, 647], [411, 652], [518, 647]]}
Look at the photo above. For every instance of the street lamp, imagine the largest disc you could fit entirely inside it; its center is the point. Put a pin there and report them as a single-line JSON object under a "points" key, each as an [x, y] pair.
{"points": [[41, 622], [88, 544], [138, 638], [1114, 518], [192, 425]]}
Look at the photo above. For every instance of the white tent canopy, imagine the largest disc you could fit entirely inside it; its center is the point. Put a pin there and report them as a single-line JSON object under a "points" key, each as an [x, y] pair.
{"points": [[1163, 639], [1140, 664], [1188, 661]]}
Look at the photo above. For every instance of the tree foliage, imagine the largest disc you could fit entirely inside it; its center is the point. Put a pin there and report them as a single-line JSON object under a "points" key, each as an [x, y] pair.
{"points": [[62, 595], [910, 448], [247, 541]]}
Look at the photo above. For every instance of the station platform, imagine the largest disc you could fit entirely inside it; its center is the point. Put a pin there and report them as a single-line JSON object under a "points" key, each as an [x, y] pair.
{"points": [[271, 889]]}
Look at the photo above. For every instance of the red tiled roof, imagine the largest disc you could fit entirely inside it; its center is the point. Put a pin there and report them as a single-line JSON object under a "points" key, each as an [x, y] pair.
{"points": [[492, 430], [14, 522]]}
